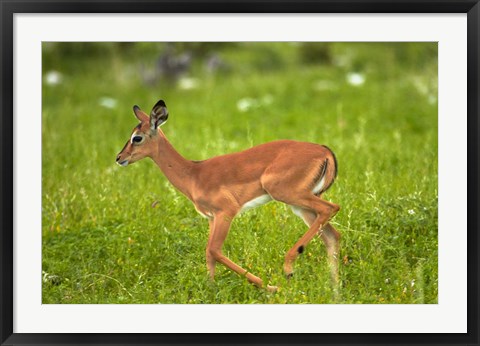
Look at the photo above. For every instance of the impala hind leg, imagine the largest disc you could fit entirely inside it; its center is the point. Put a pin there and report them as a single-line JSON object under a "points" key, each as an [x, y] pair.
{"points": [[331, 238], [329, 235], [316, 213], [221, 226]]}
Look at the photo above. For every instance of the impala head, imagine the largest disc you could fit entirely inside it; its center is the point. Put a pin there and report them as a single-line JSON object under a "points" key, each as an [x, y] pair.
{"points": [[142, 140]]}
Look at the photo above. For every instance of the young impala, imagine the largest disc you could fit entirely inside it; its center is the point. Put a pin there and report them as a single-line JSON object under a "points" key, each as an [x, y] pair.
{"points": [[295, 173]]}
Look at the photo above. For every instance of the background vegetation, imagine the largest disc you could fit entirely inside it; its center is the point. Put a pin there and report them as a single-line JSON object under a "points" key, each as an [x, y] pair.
{"points": [[124, 235]]}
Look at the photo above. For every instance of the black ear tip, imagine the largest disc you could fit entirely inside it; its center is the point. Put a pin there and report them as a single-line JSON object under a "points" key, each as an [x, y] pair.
{"points": [[161, 103], [136, 108]]}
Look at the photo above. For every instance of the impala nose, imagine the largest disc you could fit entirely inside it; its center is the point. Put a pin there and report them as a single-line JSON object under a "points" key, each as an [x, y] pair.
{"points": [[121, 162]]}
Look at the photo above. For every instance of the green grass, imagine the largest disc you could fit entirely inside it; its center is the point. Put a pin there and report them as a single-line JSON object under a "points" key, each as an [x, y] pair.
{"points": [[125, 235]]}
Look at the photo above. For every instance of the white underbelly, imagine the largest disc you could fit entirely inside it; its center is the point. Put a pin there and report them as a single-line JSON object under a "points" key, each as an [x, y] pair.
{"points": [[207, 215], [256, 202]]}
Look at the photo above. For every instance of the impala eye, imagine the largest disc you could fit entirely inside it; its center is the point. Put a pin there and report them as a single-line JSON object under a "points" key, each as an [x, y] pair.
{"points": [[137, 139]]}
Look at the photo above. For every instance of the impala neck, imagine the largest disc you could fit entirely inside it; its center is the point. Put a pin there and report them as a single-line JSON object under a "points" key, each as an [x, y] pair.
{"points": [[176, 168]]}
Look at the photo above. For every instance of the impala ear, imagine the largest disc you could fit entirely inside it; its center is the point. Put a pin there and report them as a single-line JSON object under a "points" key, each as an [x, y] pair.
{"points": [[139, 114], [158, 115]]}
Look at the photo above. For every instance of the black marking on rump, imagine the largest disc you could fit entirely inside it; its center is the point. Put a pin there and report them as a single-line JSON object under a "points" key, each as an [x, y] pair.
{"points": [[334, 159], [300, 249], [320, 174], [331, 178]]}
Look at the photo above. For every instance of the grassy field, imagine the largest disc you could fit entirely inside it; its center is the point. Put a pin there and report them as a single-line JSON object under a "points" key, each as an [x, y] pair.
{"points": [[125, 235]]}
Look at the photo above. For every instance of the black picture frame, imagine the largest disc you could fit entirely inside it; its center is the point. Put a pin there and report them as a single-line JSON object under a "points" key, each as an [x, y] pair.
{"points": [[9, 7]]}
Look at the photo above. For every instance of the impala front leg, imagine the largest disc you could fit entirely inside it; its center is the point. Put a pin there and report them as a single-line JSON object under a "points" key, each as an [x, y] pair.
{"points": [[221, 226], [210, 259]]}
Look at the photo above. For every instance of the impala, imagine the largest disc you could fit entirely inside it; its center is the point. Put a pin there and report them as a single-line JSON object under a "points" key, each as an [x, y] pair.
{"points": [[295, 173]]}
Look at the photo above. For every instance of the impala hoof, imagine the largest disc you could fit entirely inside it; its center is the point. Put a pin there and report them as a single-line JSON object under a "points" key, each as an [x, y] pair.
{"points": [[289, 276], [272, 289]]}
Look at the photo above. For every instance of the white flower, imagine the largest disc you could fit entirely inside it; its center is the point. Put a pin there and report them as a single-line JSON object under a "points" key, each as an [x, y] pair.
{"points": [[53, 78], [355, 78], [246, 104], [107, 102], [411, 211], [186, 83]]}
